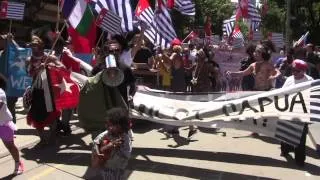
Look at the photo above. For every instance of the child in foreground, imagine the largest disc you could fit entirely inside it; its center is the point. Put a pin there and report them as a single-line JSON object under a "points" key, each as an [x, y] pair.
{"points": [[112, 148], [7, 128]]}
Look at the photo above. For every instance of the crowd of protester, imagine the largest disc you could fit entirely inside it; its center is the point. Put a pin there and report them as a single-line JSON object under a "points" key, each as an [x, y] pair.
{"points": [[184, 67]]}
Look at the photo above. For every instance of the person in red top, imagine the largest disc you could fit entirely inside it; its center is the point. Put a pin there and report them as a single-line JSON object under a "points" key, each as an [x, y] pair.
{"points": [[208, 26]]}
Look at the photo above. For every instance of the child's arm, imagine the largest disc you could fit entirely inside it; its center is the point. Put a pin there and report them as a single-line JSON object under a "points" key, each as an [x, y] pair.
{"points": [[97, 141]]}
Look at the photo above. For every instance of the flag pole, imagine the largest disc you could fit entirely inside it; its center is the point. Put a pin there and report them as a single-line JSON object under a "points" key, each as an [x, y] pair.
{"points": [[58, 17], [101, 35], [187, 36], [10, 26], [55, 41]]}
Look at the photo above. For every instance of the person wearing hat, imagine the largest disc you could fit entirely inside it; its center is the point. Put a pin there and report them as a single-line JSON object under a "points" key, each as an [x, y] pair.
{"points": [[299, 68]]}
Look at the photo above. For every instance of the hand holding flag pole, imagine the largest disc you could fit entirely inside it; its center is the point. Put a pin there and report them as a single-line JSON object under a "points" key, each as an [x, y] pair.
{"points": [[55, 41]]}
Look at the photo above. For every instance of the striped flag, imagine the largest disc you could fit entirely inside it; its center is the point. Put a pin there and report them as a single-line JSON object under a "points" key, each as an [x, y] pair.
{"points": [[315, 102], [289, 132], [248, 10], [109, 21], [163, 25], [12, 10], [161, 36], [228, 25], [185, 7], [145, 14], [253, 13], [238, 39], [121, 7], [277, 39]]}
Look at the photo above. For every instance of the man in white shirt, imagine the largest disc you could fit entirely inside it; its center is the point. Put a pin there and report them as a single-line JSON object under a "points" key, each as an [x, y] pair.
{"points": [[299, 68]]}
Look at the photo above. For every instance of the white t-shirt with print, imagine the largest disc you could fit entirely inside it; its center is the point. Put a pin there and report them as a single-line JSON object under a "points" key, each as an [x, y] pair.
{"points": [[290, 81], [5, 114]]}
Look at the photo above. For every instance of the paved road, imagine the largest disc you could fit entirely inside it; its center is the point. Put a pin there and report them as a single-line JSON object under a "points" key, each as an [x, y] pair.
{"points": [[209, 155]]}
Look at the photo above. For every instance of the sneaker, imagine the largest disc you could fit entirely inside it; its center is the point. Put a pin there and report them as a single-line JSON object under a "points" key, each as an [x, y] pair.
{"points": [[19, 168], [191, 133]]}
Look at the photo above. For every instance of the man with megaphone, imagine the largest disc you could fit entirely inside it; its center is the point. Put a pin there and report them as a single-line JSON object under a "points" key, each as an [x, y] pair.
{"points": [[112, 85]]}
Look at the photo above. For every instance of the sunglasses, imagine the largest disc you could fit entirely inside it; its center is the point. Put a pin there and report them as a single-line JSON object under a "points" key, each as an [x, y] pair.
{"points": [[114, 50]]}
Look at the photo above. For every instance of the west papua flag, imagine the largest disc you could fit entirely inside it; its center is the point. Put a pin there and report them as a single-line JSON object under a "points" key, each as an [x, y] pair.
{"points": [[12, 10], [121, 7], [185, 7], [60, 89], [109, 21]]}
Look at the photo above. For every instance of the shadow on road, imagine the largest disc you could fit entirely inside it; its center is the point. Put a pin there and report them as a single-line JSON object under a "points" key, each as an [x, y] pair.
{"points": [[235, 158], [65, 150]]}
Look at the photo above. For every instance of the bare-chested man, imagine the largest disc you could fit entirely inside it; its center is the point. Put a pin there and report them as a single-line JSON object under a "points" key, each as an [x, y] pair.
{"points": [[263, 71]]}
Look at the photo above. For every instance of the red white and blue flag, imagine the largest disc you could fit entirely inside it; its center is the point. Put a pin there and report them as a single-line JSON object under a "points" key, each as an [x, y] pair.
{"points": [[12, 10]]}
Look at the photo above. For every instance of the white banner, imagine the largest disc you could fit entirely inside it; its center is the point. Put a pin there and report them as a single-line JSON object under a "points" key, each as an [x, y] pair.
{"points": [[262, 112]]}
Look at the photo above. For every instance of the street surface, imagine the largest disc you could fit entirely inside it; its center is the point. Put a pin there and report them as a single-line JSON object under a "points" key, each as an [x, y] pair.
{"points": [[209, 155]]}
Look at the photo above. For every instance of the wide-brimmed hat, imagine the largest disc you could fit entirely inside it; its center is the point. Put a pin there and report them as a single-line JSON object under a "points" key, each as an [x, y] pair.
{"points": [[111, 65]]}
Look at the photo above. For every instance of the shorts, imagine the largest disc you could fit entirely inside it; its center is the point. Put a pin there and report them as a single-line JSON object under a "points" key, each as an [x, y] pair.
{"points": [[7, 132]]}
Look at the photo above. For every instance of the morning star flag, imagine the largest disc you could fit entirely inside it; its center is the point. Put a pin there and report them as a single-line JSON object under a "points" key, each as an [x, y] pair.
{"points": [[228, 25], [109, 21], [12, 10], [163, 25], [186, 7], [15, 70], [121, 7], [145, 14], [253, 13], [277, 113]]}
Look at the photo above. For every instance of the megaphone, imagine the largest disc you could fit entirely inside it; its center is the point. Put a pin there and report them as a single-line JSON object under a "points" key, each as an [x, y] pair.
{"points": [[112, 76]]}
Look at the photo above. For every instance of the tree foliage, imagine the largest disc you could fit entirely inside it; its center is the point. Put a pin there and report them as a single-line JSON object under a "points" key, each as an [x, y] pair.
{"points": [[305, 17]]}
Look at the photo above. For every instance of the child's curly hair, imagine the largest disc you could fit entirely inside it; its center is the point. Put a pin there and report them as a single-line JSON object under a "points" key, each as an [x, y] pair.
{"points": [[119, 116]]}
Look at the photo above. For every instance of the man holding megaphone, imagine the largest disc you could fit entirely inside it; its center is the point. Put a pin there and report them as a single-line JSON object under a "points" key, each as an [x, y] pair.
{"points": [[112, 85]]}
